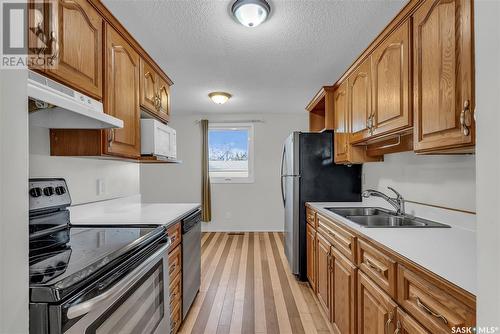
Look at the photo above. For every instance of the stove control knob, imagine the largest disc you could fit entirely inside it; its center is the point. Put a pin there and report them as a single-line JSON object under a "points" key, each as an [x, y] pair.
{"points": [[36, 192], [60, 190], [48, 191]]}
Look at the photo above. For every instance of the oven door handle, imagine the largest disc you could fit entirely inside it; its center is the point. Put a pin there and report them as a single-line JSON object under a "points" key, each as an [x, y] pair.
{"points": [[78, 310]]}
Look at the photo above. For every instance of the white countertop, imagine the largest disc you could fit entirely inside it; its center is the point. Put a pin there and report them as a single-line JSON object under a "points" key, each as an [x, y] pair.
{"points": [[129, 210], [448, 252]]}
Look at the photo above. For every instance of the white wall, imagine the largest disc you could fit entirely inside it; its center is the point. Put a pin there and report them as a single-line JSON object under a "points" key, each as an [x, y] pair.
{"points": [[235, 207], [447, 181], [13, 202], [120, 178], [487, 29]]}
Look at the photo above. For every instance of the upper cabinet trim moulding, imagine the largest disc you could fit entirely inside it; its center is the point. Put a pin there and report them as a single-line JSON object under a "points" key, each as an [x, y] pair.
{"points": [[318, 97], [113, 22], [403, 14]]}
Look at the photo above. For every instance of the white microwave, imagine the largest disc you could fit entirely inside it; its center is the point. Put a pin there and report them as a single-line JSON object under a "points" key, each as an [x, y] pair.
{"points": [[158, 139]]}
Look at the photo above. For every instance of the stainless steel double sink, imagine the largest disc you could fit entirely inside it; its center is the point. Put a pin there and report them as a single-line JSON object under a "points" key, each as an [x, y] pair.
{"points": [[382, 218]]}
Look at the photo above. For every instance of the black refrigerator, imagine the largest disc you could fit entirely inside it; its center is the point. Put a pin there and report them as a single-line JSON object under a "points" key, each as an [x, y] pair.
{"points": [[308, 174]]}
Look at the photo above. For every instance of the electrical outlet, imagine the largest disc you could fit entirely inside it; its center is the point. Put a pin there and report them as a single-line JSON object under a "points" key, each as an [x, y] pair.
{"points": [[228, 215], [100, 187]]}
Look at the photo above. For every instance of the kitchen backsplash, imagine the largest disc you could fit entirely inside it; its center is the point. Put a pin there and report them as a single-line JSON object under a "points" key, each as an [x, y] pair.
{"points": [[88, 179], [447, 181]]}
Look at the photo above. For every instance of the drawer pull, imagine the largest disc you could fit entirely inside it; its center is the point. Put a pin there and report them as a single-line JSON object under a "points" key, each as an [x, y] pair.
{"points": [[389, 320], [429, 311], [372, 265], [172, 268]]}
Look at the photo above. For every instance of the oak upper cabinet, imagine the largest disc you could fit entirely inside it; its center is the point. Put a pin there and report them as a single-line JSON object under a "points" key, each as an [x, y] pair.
{"points": [[391, 108], [343, 294], [361, 102], [376, 310], [164, 98], [323, 280], [122, 96], [340, 137], [311, 255], [77, 34], [154, 92], [149, 84], [443, 76]]}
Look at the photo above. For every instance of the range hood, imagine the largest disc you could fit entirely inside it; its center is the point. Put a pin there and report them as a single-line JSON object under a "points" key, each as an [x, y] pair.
{"points": [[56, 106]]}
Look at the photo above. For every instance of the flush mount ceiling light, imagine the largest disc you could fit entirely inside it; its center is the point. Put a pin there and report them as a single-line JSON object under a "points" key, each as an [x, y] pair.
{"points": [[219, 97], [251, 13]]}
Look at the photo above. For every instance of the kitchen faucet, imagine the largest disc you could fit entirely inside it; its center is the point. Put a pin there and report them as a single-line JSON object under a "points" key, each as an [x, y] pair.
{"points": [[398, 202]]}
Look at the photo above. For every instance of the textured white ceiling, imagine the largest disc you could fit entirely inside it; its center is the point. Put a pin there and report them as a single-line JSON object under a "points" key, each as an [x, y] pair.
{"points": [[276, 67]]}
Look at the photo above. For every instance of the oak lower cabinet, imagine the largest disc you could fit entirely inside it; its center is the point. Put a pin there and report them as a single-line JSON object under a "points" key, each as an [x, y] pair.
{"points": [[175, 273], [405, 324], [365, 288], [323, 280], [376, 310], [311, 255], [121, 100], [443, 76], [73, 31], [343, 293]]}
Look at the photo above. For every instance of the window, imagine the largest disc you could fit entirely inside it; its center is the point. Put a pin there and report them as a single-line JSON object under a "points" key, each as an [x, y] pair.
{"points": [[230, 152]]}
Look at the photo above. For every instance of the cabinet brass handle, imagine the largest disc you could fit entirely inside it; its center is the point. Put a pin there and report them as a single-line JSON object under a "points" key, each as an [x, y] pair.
{"points": [[398, 328], [465, 118], [389, 321], [372, 265], [111, 137], [429, 311], [53, 43]]}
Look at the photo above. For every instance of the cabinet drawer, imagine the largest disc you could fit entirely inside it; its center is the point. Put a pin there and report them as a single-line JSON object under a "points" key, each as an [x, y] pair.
{"points": [[175, 234], [174, 263], [378, 266], [311, 217], [341, 239], [175, 319], [438, 308], [175, 291]]}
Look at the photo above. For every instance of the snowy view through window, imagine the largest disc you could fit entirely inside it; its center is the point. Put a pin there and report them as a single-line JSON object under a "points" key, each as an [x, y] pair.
{"points": [[228, 152]]}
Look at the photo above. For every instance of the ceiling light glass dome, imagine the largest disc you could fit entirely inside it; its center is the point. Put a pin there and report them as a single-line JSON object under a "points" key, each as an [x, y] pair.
{"points": [[251, 13]]}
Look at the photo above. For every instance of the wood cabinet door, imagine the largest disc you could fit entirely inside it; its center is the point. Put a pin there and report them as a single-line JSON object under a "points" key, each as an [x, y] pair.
{"points": [[122, 96], [343, 294], [391, 82], [311, 255], [77, 35], [164, 95], [443, 80], [341, 123], [407, 325], [148, 87], [376, 310], [360, 102], [323, 279]]}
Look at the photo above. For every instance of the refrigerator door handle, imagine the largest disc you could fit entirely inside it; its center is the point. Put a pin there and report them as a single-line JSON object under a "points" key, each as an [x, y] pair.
{"points": [[282, 162]]}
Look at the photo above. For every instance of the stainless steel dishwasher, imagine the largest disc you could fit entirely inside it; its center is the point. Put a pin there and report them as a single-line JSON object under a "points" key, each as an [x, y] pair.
{"points": [[191, 259]]}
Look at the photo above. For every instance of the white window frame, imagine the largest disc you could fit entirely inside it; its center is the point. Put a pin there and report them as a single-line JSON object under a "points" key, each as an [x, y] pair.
{"points": [[228, 178]]}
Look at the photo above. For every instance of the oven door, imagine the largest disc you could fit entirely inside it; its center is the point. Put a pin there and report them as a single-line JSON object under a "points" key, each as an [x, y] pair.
{"points": [[137, 303]]}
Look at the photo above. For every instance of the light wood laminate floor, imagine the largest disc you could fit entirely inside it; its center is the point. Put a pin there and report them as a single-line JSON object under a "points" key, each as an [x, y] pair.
{"points": [[247, 287]]}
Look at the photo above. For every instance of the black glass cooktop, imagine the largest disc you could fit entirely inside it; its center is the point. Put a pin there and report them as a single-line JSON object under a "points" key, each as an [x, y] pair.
{"points": [[89, 251]]}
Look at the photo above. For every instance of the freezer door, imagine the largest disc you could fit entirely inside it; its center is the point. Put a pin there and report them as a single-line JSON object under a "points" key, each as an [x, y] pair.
{"points": [[291, 228]]}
